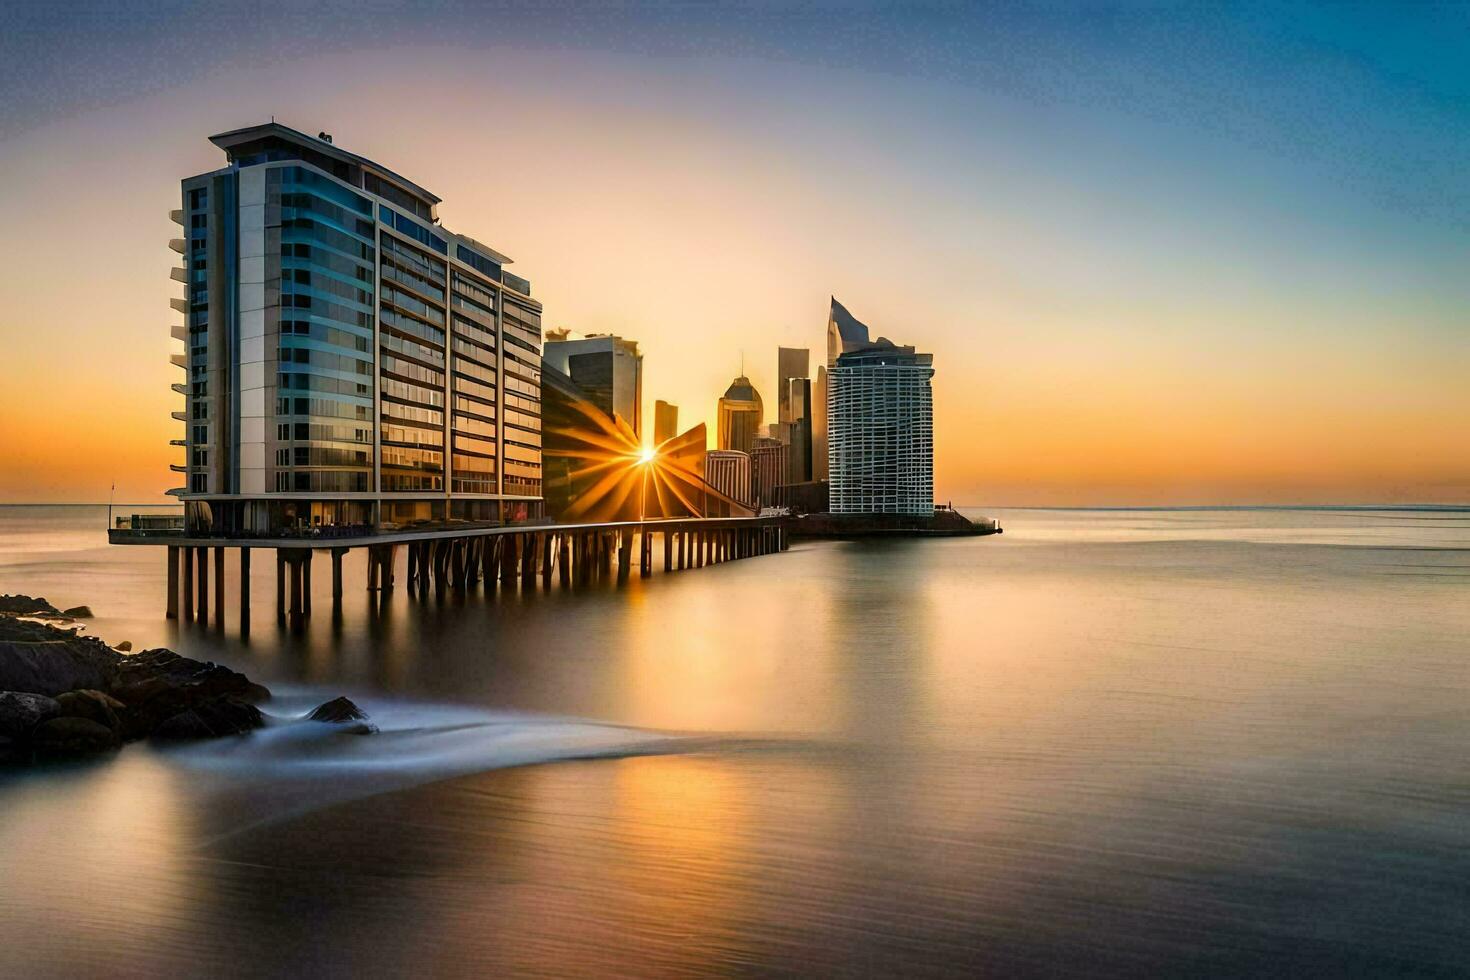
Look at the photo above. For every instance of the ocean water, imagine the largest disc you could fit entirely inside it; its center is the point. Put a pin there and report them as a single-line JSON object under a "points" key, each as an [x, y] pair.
{"points": [[1198, 742]]}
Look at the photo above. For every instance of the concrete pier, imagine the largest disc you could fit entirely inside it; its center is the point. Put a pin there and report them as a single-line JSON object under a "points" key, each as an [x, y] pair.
{"points": [[456, 559]]}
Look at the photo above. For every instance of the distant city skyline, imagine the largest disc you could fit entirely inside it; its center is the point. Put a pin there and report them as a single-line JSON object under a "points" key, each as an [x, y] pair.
{"points": [[1164, 255]]}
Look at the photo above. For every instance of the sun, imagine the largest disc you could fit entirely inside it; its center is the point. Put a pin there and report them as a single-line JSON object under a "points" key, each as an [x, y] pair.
{"points": [[646, 456]]}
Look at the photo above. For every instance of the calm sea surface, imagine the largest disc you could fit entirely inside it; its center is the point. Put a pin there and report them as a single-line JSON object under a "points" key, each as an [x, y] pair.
{"points": [[1106, 742]]}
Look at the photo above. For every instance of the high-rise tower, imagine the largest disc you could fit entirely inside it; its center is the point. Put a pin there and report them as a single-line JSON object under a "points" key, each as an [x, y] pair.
{"points": [[349, 361], [880, 430], [740, 414]]}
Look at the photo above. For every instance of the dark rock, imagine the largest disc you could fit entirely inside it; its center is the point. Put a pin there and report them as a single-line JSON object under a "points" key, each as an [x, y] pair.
{"points": [[78, 612], [24, 605], [13, 751], [338, 709], [41, 659], [19, 712], [125, 646], [92, 705], [72, 736], [211, 719]]}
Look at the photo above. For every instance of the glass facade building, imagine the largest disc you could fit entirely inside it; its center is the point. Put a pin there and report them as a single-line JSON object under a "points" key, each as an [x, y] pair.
{"points": [[880, 431], [350, 362]]}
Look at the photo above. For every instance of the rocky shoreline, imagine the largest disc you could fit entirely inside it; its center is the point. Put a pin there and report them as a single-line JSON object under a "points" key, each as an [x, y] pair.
{"points": [[64, 694]]}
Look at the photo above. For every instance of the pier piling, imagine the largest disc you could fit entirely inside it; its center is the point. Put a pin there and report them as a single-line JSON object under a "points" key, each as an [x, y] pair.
{"points": [[244, 590], [173, 583]]}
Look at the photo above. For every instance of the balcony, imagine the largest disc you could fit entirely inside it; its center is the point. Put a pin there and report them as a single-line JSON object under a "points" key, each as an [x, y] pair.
{"points": [[179, 361], [177, 244], [180, 388], [181, 416], [181, 305], [177, 216], [176, 492], [179, 332], [178, 467], [179, 274], [178, 442]]}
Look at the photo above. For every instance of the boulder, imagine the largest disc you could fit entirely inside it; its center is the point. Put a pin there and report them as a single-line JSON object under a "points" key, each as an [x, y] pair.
{"points": [[211, 719], [72, 736], [92, 705], [24, 605], [338, 709], [78, 612], [19, 712], [125, 646], [41, 659]]}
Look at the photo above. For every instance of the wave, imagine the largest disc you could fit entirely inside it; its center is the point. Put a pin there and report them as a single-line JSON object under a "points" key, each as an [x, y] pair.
{"points": [[293, 765]]}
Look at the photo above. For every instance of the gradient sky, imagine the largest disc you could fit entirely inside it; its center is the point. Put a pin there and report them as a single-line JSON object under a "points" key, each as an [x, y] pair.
{"points": [[1162, 253]]}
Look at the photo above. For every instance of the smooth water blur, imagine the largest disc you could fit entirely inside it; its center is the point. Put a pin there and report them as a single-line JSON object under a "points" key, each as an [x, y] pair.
{"points": [[1217, 741]]}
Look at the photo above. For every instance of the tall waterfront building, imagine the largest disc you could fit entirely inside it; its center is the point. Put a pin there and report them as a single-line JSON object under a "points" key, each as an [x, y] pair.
{"points": [[768, 469], [880, 430], [740, 413], [791, 363], [844, 332], [608, 368], [348, 359], [799, 430], [665, 422], [728, 471]]}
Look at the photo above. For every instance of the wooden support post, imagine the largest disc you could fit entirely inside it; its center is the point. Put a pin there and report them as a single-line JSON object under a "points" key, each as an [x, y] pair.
{"points": [[219, 587], [281, 584], [509, 558], [564, 560], [297, 609], [188, 585], [336, 555], [244, 590], [529, 551], [201, 558], [546, 559], [668, 550], [625, 557], [413, 565], [172, 609], [307, 554], [645, 552], [488, 552]]}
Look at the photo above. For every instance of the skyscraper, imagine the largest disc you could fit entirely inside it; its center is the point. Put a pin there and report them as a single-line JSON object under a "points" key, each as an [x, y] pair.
{"points": [[844, 332], [665, 422], [768, 469], [740, 414], [348, 359], [791, 363], [608, 369], [881, 431], [799, 469], [728, 471]]}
